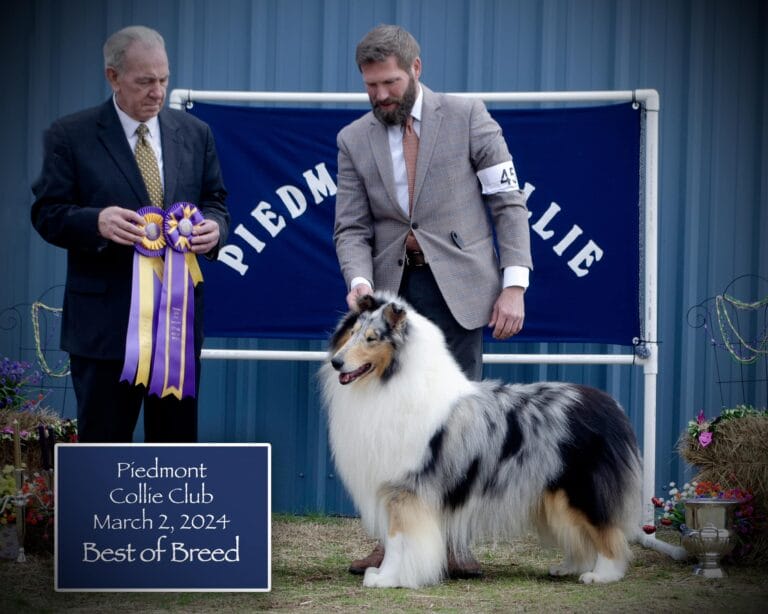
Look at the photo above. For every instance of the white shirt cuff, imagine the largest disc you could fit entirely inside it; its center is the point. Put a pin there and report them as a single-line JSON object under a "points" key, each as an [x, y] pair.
{"points": [[356, 281], [516, 276]]}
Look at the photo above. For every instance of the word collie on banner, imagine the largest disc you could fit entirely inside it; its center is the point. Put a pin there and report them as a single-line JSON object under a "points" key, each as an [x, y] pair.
{"points": [[278, 276]]}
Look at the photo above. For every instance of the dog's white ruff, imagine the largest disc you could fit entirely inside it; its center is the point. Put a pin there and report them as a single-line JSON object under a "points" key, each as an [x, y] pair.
{"points": [[363, 424]]}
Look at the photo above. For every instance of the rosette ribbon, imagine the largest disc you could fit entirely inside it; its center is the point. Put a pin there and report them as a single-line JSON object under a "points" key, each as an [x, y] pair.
{"points": [[145, 295], [164, 332]]}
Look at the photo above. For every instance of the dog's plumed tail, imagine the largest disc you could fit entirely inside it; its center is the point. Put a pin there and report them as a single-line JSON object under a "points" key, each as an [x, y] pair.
{"points": [[653, 543]]}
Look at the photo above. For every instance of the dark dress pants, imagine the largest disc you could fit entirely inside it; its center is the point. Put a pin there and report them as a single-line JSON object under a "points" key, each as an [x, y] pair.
{"points": [[108, 409], [420, 289]]}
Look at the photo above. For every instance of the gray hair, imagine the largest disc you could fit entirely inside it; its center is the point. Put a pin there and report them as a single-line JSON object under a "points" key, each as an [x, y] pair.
{"points": [[385, 41], [120, 41]]}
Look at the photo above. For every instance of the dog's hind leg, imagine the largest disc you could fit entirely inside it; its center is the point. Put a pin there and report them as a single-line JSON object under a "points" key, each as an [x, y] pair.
{"points": [[612, 557], [559, 526], [596, 554], [414, 553]]}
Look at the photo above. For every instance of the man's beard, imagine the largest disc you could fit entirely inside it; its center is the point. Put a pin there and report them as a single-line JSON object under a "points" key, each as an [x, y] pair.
{"points": [[403, 109]]}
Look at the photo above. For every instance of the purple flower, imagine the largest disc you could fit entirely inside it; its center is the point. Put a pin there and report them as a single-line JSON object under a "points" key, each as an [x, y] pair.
{"points": [[705, 439], [700, 419]]}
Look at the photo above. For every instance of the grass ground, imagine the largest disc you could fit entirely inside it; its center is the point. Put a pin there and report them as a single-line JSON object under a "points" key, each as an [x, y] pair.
{"points": [[309, 573]]}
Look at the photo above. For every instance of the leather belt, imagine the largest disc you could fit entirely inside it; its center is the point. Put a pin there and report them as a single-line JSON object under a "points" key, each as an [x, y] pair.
{"points": [[415, 258]]}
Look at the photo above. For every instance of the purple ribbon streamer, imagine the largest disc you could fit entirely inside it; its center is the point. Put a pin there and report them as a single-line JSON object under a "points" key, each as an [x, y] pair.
{"points": [[174, 361]]}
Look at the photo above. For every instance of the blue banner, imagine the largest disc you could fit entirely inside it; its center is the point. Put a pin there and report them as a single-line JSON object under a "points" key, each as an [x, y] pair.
{"points": [[279, 277], [159, 517]]}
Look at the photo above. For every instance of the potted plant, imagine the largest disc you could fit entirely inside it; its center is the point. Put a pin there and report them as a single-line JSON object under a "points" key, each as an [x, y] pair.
{"points": [[36, 496], [28, 434]]}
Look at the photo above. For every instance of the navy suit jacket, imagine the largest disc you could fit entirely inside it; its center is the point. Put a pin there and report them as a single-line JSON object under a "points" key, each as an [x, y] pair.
{"points": [[88, 165]]}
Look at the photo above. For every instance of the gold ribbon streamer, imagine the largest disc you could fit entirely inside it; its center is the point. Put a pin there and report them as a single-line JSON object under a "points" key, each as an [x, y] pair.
{"points": [[148, 269]]}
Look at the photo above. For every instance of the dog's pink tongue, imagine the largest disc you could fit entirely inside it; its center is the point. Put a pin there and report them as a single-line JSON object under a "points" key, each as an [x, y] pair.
{"points": [[346, 378]]}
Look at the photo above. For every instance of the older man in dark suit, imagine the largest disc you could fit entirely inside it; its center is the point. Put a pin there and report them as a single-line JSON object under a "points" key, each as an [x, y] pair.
{"points": [[87, 196]]}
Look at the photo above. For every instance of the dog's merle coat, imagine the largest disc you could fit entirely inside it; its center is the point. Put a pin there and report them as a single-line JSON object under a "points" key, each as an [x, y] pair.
{"points": [[431, 458]]}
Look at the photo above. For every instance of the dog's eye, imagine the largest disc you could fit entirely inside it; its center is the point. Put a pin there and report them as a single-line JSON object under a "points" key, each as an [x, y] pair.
{"points": [[371, 338]]}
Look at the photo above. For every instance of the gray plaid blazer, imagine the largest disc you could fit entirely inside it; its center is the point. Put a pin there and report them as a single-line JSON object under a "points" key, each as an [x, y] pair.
{"points": [[452, 219]]}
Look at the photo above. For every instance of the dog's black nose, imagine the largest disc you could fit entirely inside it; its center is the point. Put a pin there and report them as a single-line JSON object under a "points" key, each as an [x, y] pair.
{"points": [[337, 363]]}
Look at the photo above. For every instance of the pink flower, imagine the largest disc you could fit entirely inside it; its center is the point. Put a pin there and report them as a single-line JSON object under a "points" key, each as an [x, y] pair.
{"points": [[705, 439], [649, 528], [700, 419]]}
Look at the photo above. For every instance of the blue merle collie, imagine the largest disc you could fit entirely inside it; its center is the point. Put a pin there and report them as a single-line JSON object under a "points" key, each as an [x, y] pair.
{"points": [[435, 461]]}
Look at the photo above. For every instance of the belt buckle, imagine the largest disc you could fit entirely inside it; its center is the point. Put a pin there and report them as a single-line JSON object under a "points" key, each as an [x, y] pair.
{"points": [[415, 259]]}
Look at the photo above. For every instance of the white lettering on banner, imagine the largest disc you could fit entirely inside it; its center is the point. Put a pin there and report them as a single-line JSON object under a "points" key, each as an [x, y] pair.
{"points": [[589, 253], [248, 236], [540, 227], [567, 240], [293, 199], [320, 184], [264, 215]]}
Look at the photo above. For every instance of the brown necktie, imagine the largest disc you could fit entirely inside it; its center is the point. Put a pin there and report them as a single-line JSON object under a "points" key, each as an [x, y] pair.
{"points": [[410, 153], [145, 158]]}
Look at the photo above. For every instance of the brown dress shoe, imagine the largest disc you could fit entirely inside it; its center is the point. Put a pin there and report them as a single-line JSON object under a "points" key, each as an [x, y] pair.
{"points": [[467, 569], [374, 559]]}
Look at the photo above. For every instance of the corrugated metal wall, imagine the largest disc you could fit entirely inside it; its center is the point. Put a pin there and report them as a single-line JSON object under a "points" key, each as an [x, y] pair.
{"points": [[708, 60]]}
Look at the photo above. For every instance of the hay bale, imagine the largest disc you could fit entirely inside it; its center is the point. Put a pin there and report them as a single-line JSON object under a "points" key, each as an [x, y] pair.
{"points": [[737, 458]]}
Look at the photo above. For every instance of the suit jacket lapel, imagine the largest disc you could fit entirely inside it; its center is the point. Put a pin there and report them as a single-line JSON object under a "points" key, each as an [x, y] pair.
{"points": [[172, 141], [379, 140], [113, 138], [431, 118]]}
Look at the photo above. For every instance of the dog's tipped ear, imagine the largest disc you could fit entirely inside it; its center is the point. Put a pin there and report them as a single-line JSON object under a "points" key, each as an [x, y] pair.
{"points": [[366, 303], [394, 314]]}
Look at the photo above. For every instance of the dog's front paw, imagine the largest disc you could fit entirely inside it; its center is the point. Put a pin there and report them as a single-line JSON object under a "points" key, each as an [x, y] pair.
{"points": [[560, 570], [591, 577], [567, 568], [374, 579], [588, 578]]}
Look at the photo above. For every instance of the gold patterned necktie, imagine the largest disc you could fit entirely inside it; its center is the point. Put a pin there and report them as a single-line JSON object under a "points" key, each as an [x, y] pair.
{"points": [[410, 153], [145, 158]]}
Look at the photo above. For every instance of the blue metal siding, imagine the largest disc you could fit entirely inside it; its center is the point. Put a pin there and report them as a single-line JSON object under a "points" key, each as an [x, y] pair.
{"points": [[708, 59]]}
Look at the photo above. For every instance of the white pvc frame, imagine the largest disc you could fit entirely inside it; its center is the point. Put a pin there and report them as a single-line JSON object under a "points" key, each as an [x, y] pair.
{"points": [[649, 100]]}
